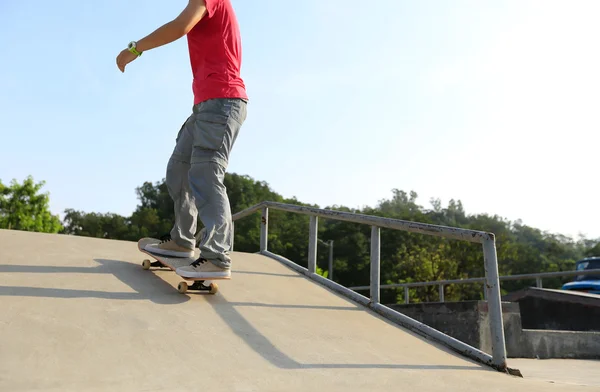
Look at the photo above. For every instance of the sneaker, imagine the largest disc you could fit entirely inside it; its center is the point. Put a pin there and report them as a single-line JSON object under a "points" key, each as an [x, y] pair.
{"points": [[204, 269], [168, 247]]}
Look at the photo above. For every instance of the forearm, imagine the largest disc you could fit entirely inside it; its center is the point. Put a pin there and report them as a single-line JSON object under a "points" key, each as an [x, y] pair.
{"points": [[165, 34]]}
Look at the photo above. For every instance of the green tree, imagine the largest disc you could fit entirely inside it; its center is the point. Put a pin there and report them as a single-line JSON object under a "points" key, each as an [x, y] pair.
{"points": [[23, 207], [405, 257], [594, 250], [244, 192], [109, 226]]}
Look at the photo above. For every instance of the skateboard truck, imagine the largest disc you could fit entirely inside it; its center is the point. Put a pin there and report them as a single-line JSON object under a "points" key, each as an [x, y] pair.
{"points": [[146, 264], [183, 287], [198, 285]]}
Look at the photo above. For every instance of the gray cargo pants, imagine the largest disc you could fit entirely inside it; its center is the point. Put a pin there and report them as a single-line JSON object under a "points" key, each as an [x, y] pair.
{"points": [[195, 175]]}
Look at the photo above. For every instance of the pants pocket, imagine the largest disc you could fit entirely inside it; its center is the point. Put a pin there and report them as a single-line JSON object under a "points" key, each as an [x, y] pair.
{"points": [[209, 130]]}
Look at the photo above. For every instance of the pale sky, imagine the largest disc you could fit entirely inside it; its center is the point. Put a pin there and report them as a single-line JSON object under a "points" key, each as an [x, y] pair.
{"points": [[494, 103]]}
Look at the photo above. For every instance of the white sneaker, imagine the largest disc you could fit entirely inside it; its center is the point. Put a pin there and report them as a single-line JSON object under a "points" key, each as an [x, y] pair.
{"points": [[204, 269], [168, 247]]}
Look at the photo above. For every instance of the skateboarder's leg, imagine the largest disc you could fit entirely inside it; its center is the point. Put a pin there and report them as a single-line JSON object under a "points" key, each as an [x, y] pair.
{"points": [[218, 123], [184, 228], [206, 181], [183, 240]]}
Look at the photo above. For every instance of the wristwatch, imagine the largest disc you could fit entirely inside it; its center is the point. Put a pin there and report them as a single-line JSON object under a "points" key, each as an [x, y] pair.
{"points": [[131, 47]]}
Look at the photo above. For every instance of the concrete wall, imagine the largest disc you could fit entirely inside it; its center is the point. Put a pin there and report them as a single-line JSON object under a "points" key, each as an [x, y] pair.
{"points": [[557, 310], [460, 320], [466, 321], [511, 317], [546, 344], [469, 322]]}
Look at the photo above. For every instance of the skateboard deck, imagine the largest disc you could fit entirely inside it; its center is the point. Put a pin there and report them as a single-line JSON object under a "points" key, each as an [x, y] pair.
{"points": [[173, 263]]}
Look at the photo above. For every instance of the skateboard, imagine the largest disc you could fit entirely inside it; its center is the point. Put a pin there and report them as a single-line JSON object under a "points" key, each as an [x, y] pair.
{"points": [[173, 263]]}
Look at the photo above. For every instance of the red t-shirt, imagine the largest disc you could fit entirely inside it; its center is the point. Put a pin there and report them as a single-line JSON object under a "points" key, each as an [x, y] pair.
{"points": [[216, 54]]}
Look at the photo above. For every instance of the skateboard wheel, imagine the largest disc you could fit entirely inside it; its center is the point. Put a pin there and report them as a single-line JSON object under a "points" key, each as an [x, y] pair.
{"points": [[214, 288], [182, 287], [146, 264]]}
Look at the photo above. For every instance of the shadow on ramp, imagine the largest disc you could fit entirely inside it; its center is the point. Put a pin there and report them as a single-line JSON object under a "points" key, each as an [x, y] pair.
{"points": [[265, 274], [147, 286], [286, 306], [267, 350]]}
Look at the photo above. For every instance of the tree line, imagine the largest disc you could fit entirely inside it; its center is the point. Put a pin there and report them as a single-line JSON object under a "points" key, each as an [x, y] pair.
{"points": [[405, 257]]}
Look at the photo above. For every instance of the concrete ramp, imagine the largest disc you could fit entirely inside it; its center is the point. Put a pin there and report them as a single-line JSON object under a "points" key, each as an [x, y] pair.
{"points": [[80, 314]]}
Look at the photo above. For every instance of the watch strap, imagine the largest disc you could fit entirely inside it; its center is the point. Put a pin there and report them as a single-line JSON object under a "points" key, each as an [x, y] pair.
{"points": [[132, 49]]}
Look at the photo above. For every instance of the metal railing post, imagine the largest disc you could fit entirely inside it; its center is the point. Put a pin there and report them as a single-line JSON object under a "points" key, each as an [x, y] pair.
{"points": [[406, 293], [330, 274], [492, 285], [232, 235], [538, 282], [375, 264], [264, 229], [312, 244], [441, 289]]}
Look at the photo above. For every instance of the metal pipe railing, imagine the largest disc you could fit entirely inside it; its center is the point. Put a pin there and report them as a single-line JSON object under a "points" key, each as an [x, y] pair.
{"points": [[313, 229], [498, 357], [539, 276], [264, 229], [375, 264], [371, 220]]}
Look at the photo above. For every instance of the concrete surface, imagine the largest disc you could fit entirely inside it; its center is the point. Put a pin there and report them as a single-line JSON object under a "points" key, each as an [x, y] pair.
{"points": [[561, 371], [80, 314]]}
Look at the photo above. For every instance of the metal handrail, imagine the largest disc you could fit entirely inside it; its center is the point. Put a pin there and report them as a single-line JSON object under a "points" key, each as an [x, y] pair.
{"points": [[441, 283], [492, 283], [386, 223], [556, 274]]}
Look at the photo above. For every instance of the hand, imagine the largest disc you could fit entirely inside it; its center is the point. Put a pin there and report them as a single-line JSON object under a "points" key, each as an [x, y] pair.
{"points": [[124, 58]]}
